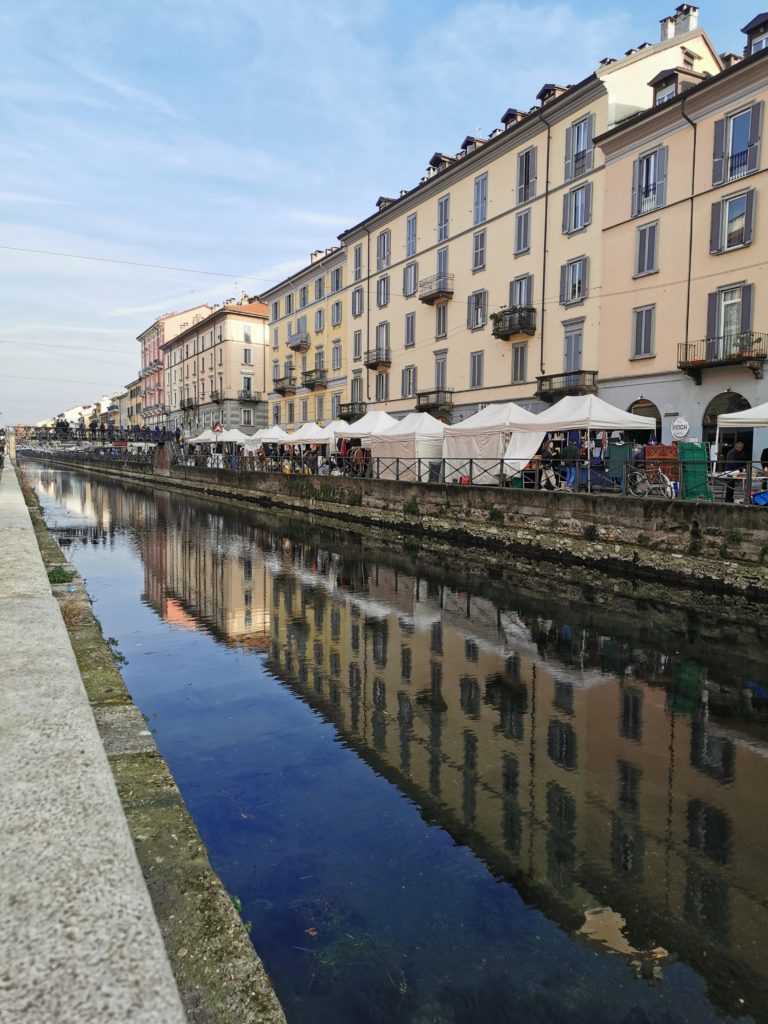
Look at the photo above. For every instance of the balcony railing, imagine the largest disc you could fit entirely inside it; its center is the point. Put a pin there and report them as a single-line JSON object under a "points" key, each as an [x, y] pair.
{"points": [[284, 385], [351, 411], [315, 379], [299, 342], [557, 385], [738, 164], [647, 198], [439, 286], [747, 348], [215, 396], [580, 161], [514, 320], [187, 403], [247, 395], [437, 401], [379, 358]]}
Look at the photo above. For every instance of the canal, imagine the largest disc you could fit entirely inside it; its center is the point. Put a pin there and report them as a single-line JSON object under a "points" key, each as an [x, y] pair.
{"points": [[441, 800]]}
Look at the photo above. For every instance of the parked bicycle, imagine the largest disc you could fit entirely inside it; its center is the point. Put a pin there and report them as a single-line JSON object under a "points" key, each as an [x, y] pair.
{"points": [[651, 482]]}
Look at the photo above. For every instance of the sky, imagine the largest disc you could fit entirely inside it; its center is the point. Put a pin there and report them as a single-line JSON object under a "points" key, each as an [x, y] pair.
{"points": [[232, 138]]}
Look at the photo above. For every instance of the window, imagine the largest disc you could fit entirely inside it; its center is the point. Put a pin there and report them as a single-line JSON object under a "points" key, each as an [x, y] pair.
{"points": [[664, 93], [289, 415], [409, 382], [477, 310], [579, 151], [522, 232], [382, 387], [383, 249], [737, 144], [357, 302], [478, 250], [336, 356], [729, 321], [276, 309], [480, 210], [526, 175], [358, 263], [520, 363], [642, 332], [319, 320], [304, 410], [336, 313], [732, 223], [521, 291], [246, 337], [247, 385], [320, 407], [382, 338], [476, 369], [573, 281], [246, 357], [357, 345], [577, 208], [645, 262], [574, 337], [288, 305], [356, 393], [410, 330], [441, 371], [382, 290], [649, 181], [759, 42], [410, 236], [303, 296], [335, 406], [275, 341], [441, 319], [247, 417], [319, 288], [443, 217], [410, 279], [319, 359], [336, 280], [275, 415]]}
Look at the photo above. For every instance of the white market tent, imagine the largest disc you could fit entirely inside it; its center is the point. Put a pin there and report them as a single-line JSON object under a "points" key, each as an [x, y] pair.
{"points": [[308, 433], [334, 429], [757, 417], [588, 412], [405, 450], [207, 437], [274, 435], [374, 422], [484, 438], [233, 435]]}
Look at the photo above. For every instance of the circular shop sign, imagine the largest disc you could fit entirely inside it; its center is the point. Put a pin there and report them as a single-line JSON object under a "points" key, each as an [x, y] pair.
{"points": [[680, 428]]}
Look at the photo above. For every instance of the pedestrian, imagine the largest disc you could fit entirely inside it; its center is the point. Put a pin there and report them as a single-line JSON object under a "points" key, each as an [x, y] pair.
{"points": [[548, 458], [570, 457], [735, 461]]}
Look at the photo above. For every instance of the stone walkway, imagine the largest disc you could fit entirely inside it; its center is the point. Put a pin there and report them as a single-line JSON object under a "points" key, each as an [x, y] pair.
{"points": [[79, 942]]}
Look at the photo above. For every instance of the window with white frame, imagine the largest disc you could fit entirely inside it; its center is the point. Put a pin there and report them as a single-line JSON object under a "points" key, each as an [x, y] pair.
{"points": [[643, 322], [526, 175], [247, 385], [738, 136], [336, 356], [383, 249], [649, 181], [759, 42], [410, 236], [356, 388], [520, 363], [521, 291], [443, 217], [276, 309], [478, 250], [382, 340], [577, 208], [336, 279], [732, 224], [319, 288], [664, 93], [246, 335], [441, 319], [382, 387], [357, 302], [573, 345], [382, 290], [573, 281], [410, 279], [480, 209], [336, 313], [319, 319], [247, 356], [476, 369], [477, 310], [441, 371], [357, 345], [320, 359], [247, 417], [581, 142], [408, 383], [358, 263], [522, 232], [646, 249], [410, 330]]}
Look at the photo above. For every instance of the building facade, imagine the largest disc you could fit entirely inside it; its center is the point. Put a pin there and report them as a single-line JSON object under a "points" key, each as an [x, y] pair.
{"points": [[309, 339], [153, 401], [215, 370], [134, 418]]}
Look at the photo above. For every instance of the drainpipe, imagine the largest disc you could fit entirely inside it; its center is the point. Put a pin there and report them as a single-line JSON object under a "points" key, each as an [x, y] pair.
{"points": [[546, 226], [367, 311], [690, 223]]}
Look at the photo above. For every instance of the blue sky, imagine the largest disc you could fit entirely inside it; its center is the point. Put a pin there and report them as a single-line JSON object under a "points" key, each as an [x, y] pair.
{"points": [[236, 136]]}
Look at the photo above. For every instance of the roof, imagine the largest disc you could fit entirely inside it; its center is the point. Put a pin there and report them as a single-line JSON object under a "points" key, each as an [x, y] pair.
{"points": [[257, 310], [760, 19]]}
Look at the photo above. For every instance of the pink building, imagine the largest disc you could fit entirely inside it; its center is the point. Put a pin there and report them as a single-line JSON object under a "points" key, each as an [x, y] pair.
{"points": [[152, 375]]}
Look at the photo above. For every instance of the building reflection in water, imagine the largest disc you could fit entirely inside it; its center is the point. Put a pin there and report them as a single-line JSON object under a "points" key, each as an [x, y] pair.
{"points": [[587, 770]]}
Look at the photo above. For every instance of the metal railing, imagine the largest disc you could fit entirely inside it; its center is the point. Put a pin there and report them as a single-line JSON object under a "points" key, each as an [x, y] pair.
{"points": [[282, 385], [513, 320], [215, 396], [442, 398], [315, 378], [577, 382], [580, 160], [351, 411], [738, 164], [379, 357], [439, 286], [648, 195], [743, 346]]}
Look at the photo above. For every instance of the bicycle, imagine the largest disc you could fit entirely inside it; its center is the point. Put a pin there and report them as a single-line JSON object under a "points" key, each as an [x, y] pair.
{"points": [[644, 483]]}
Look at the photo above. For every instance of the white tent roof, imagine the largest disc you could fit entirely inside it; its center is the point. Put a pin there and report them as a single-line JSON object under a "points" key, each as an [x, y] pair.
{"points": [[588, 412], [334, 429], [206, 437], [374, 422], [757, 417], [308, 433], [494, 419], [233, 434], [415, 424], [275, 435]]}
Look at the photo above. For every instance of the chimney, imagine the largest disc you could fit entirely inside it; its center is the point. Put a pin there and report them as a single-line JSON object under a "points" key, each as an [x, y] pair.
{"points": [[316, 255], [667, 28], [607, 61], [686, 19], [383, 202], [729, 59]]}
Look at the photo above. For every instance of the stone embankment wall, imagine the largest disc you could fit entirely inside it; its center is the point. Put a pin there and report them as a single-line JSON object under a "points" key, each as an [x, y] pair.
{"points": [[719, 548]]}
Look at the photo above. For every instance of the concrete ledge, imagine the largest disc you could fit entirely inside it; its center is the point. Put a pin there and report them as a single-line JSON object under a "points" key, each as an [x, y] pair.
{"points": [[79, 941]]}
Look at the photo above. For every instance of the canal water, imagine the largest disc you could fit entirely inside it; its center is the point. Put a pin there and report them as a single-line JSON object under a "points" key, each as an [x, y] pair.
{"points": [[441, 800]]}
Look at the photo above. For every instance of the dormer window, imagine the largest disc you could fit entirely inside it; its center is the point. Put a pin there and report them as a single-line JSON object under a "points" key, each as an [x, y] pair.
{"points": [[664, 93], [757, 35], [759, 41]]}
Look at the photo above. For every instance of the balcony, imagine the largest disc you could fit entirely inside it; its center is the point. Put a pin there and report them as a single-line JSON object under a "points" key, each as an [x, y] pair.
{"points": [[647, 198], [187, 403], [738, 165], [247, 395], [299, 342], [580, 161], [558, 385], [214, 396], [315, 380], [351, 411], [284, 385], [439, 286], [438, 403], [379, 358], [514, 320], [747, 348], [112, 407]]}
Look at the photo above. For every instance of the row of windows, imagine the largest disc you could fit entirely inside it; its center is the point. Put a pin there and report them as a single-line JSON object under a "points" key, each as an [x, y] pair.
{"points": [[336, 284], [304, 409], [336, 361]]}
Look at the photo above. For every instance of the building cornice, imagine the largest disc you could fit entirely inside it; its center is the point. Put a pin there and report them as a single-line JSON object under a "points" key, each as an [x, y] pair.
{"points": [[212, 318], [328, 262]]}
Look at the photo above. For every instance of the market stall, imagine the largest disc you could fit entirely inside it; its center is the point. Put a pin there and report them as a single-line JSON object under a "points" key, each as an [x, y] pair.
{"points": [[412, 449], [474, 449]]}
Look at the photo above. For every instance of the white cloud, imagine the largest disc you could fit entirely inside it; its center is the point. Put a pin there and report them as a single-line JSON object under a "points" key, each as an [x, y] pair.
{"points": [[124, 90]]}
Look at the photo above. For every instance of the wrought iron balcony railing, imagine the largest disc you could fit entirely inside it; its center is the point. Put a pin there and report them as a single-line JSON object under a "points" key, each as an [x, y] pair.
{"points": [[738, 164], [215, 395], [439, 286], [378, 358], [557, 385], [247, 395], [514, 320], [440, 400], [746, 348], [315, 379], [351, 411]]}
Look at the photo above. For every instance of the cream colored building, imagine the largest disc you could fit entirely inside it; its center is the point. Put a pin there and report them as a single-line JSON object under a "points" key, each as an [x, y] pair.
{"points": [[483, 283], [309, 324], [153, 397], [684, 323], [215, 370], [133, 413]]}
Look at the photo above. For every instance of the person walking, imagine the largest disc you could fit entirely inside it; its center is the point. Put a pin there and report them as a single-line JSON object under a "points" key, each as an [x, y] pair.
{"points": [[570, 457], [549, 457], [735, 461]]}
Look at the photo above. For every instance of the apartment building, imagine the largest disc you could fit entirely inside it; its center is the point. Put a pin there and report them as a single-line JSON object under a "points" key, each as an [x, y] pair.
{"points": [[684, 329], [483, 283], [151, 340], [309, 323], [215, 369], [133, 414]]}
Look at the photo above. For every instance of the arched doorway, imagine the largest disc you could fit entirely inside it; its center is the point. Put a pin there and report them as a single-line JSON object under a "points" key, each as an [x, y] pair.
{"points": [[726, 401], [644, 407]]}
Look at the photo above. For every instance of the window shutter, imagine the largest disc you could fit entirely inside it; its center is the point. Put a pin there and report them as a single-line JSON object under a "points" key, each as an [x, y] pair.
{"points": [[585, 276], [749, 220], [568, 153], [484, 306], [529, 290], [511, 293], [650, 253], [716, 228], [635, 188], [414, 378], [532, 179], [566, 212], [590, 161], [661, 176], [718, 157], [648, 338], [588, 203], [404, 383], [746, 307], [520, 178], [642, 250], [755, 124], [638, 340], [469, 312], [712, 299], [526, 230], [563, 284], [405, 280]]}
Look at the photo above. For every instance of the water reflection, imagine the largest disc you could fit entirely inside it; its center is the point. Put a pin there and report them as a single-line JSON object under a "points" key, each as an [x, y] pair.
{"points": [[606, 763]]}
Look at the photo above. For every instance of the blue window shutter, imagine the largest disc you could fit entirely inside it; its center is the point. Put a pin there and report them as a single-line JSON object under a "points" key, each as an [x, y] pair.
{"points": [[635, 188], [718, 156], [749, 225], [588, 203], [532, 179], [415, 385], [650, 252], [529, 290], [712, 300], [755, 125], [590, 161], [563, 284], [566, 212], [661, 175], [746, 307], [520, 178], [568, 153], [585, 276], [716, 228]]}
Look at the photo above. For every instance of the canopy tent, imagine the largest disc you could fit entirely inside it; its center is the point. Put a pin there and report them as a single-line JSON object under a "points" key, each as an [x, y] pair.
{"points": [[483, 439], [587, 412], [406, 449], [757, 417], [308, 433], [207, 437], [274, 435], [233, 435], [374, 422], [334, 429]]}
